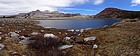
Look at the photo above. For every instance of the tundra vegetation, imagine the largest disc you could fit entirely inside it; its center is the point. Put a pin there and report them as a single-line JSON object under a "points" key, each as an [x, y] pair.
{"points": [[25, 38]]}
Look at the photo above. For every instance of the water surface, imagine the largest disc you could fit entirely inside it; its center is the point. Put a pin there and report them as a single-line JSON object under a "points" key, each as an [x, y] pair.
{"points": [[76, 24]]}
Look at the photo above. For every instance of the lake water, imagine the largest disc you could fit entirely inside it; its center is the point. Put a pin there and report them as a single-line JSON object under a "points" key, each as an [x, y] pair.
{"points": [[76, 24]]}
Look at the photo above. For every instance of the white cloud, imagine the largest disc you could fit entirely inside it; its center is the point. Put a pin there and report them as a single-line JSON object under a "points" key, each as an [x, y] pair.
{"points": [[77, 9], [97, 2], [135, 2], [20, 6]]}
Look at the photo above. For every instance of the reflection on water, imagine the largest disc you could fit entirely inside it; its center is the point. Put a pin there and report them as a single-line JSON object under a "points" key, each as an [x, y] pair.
{"points": [[76, 24]]}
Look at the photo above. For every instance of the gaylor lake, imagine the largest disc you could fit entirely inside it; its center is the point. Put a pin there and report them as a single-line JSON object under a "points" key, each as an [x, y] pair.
{"points": [[77, 24]]}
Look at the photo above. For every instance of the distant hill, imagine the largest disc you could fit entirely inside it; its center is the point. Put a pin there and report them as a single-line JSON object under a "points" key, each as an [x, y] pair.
{"points": [[40, 14], [117, 13]]}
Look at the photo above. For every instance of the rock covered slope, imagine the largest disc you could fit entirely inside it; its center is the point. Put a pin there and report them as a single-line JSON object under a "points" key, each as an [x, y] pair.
{"points": [[23, 38], [117, 13], [120, 39]]}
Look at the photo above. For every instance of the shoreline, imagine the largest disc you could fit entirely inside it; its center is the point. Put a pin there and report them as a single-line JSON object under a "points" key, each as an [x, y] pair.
{"points": [[59, 18]]}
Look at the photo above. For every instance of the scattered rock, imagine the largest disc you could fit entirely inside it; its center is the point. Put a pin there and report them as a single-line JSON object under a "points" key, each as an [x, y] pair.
{"points": [[65, 47], [1, 46], [0, 32], [18, 31], [77, 30], [23, 55], [23, 29], [106, 26], [72, 30], [22, 37], [50, 36], [25, 41], [67, 38], [88, 28], [82, 30], [46, 27], [95, 46], [60, 33], [42, 30], [14, 53], [35, 33], [13, 34], [0, 38], [66, 33], [89, 38], [130, 20]]}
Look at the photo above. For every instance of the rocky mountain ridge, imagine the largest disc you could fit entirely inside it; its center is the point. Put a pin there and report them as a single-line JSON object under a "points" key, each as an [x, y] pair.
{"points": [[117, 13], [41, 14]]}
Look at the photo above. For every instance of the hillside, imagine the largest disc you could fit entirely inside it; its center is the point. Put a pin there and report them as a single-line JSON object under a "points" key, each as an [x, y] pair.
{"points": [[117, 13], [25, 38]]}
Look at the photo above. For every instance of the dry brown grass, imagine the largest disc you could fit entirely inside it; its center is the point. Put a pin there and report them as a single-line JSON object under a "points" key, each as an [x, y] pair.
{"points": [[46, 46], [121, 39]]}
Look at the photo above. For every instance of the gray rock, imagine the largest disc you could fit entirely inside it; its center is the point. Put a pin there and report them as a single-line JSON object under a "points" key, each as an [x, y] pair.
{"points": [[1, 46], [35, 33], [50, 36], [95, 46], [67, 38], [13, 34], [65, 47], [89, 38]]}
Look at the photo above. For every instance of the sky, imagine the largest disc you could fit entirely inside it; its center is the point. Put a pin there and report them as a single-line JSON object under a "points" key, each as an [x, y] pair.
{"points": [[87, 7]]}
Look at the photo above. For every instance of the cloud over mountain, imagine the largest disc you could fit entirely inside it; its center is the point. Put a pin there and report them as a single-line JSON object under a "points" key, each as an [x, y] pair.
{"points": [[15, 6]]}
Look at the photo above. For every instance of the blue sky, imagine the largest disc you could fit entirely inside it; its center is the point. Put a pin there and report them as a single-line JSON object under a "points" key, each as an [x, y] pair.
{"points": [[90, 7], [122, 4]]}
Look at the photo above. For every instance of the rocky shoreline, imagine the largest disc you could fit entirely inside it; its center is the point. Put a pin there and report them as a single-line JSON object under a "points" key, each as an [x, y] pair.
{"points": [[25, 38]]}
